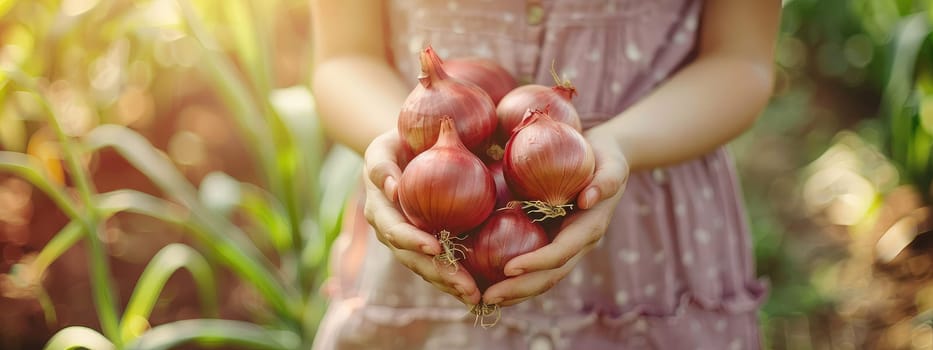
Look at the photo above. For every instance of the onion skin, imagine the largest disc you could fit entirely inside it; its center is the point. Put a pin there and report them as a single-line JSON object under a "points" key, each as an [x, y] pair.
{"points": [[506, 234], [503, 193], [437, 95], [557, 100], [446, 188], [548, 161], [485, 73]]}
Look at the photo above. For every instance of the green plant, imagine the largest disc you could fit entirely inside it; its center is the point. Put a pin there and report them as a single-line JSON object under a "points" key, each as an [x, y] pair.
{"points": [[298, 203]]}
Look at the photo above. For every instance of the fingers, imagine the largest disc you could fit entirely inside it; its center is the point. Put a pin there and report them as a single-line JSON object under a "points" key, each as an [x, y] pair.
{"points": [[393, 230], [517, 289], [382, 164], [609, 178], [459, 284], [578, 236]]}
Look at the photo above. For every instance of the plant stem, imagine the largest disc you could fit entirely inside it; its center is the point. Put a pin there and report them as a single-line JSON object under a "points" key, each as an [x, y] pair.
{"points": [[101, 281]]}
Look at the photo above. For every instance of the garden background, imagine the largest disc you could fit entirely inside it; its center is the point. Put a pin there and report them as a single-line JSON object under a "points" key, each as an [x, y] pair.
{"points": [[164, 181]]}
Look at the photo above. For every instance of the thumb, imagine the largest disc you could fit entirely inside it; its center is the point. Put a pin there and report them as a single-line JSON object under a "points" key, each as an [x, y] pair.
{"points": [[609, 178]]}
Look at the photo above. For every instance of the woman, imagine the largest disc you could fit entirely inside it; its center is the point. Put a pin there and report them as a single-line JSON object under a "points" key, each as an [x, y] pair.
{"points": [[663, 85]]}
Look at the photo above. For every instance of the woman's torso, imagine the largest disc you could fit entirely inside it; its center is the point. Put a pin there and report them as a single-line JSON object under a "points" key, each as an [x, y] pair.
{"points": [[674, 270]]}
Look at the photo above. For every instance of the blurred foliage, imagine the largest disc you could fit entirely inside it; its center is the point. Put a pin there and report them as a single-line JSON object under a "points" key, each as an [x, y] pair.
{"points": [[114, 110], [837, 176]]}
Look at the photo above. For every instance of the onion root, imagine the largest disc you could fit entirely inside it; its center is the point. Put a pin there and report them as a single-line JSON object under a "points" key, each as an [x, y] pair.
{"points": [[546, 210]]}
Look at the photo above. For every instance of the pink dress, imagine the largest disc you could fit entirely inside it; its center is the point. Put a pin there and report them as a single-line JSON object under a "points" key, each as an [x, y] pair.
{"points": [[674, 270]]}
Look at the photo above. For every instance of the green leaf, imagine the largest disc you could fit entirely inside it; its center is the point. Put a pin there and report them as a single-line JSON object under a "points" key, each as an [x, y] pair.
{"points": [[223, 194], [58, 245], [228, 242], [145, 158], [162, 266], [142, 203], [214, 332], [340, 176], [235, 94], [268, 213], [77, 337], [220, 192], [910, 35], [295, 107], [31, 170]]}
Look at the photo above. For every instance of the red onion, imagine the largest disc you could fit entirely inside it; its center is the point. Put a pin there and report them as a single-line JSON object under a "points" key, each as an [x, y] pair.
{"points": [[506, 234], [557, 99], [437, 95], [446, 190], [503, 194], [485, 73], [547, 163]]}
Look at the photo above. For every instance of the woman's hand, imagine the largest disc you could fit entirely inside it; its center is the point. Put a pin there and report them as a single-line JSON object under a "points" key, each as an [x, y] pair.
{"points": [[542, 269], [412, 247]]}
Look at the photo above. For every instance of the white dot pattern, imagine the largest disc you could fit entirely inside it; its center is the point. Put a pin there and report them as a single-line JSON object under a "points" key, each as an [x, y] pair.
{"points": [[640, 326], [680, 209], [659, 176], [702, 235], [706, 192], [621, 297], [541, 343], [615, 87], [632, 52], [681, 38], [576, 277], [597, 280], [629, 256], [649, 290]]}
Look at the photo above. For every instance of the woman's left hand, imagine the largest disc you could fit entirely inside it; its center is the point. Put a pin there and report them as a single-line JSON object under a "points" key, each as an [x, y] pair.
{"points": [[542, 269]]}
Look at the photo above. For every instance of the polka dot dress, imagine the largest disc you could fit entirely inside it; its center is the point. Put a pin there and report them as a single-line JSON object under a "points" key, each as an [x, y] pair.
{"points": [[674, 270]]}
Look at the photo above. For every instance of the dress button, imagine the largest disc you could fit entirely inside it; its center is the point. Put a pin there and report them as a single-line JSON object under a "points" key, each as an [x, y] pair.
{"points": [[535, 14], [526, 79]]}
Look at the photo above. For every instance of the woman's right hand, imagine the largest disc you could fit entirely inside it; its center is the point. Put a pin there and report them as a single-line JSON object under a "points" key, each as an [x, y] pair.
{"points": [[411, 246]]}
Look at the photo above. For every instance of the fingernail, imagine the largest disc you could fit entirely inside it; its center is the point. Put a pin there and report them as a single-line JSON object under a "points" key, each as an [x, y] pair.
{"points": [[591, 196], [389, 187], [494, 301], [514, 272]]}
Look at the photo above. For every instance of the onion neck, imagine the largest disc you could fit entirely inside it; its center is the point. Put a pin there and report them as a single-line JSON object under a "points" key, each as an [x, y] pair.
{"points": [[530, 117], [563, 87], [565, 90], [447, 137], [431, 68]]}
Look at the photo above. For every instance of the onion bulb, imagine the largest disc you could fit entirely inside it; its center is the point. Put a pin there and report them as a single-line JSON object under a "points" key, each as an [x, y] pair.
{"points": [[438, 94], [446, 191], [503, 194], [557, 99], [547, 163], [506, 234], [485, 73]]}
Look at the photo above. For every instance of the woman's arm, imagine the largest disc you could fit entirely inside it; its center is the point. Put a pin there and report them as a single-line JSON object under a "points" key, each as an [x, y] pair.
{"points": [[705, 105], [713, 99], [358, 93]]}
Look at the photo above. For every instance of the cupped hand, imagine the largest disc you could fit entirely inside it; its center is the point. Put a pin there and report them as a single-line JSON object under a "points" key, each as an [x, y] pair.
{"points": [[539, 271], [411, 246]]}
